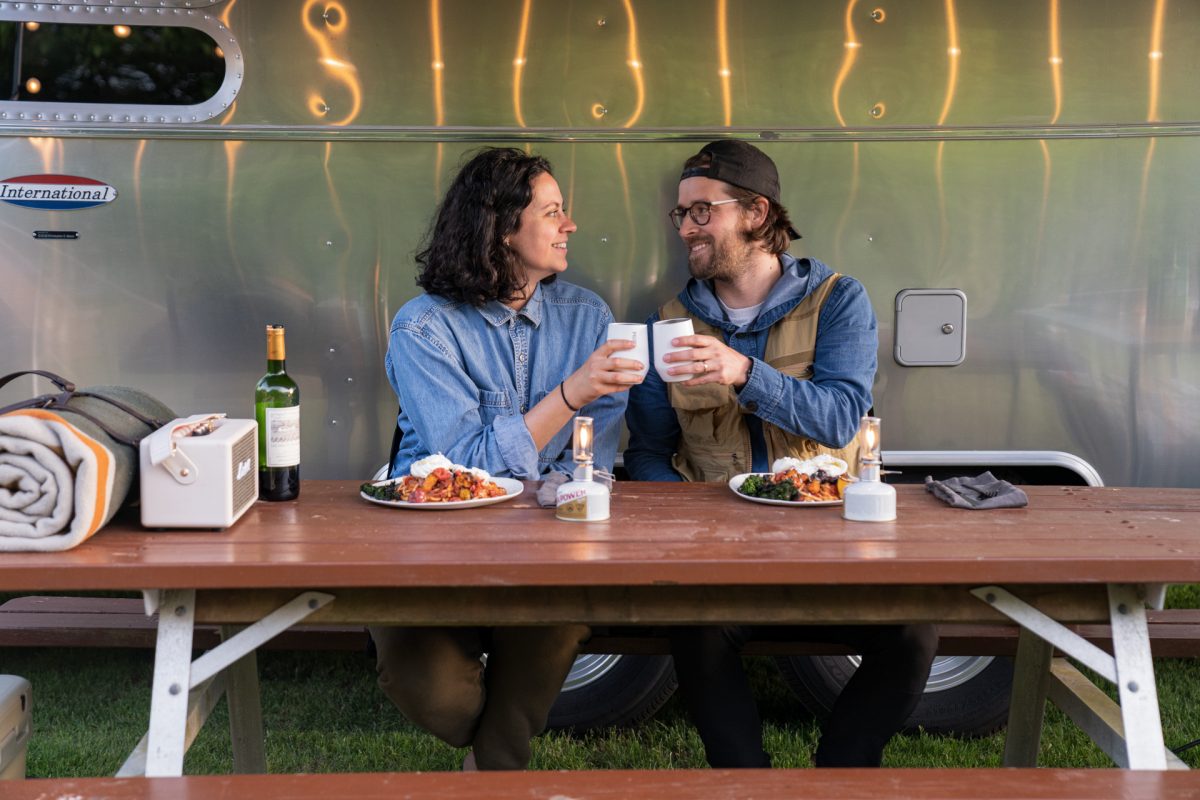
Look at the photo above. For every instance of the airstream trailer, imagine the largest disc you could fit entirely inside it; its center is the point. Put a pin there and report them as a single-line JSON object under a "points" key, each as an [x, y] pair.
{"points": [[1015, 184]]}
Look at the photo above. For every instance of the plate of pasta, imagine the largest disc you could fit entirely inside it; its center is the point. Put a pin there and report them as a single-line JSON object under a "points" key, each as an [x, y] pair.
{"points": [[441, 487]]}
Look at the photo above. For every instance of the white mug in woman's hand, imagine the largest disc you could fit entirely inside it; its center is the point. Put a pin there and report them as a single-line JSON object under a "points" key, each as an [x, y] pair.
{"points": [[636, 333], [664, 331]]}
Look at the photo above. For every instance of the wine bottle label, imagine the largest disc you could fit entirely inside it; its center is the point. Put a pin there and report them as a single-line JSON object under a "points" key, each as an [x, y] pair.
{"points": [[283, 436]]}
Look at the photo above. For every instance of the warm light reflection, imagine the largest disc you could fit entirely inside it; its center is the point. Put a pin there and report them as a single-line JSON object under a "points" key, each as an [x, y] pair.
{"points": [[1056, 81], [33, 86], [519, 61], [630, 227], [1156, 33], [723, 61], [225, 14], [138, 155], [122, 31], [335, 21], [953, 51], [635, 64], [851, 54], [50, 151], [439, 103], [1055, 61], [32, 26], [1155, 59], [852, 48]]}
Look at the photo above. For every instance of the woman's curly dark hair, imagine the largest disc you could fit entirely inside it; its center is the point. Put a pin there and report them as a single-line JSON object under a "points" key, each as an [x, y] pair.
{"points": [[464, 257]]}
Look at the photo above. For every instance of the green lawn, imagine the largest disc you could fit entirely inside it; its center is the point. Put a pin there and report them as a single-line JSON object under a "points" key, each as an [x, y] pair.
{"points": [[323, 713]]}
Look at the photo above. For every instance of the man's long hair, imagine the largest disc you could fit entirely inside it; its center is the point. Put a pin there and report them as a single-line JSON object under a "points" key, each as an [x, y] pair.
{"points": [[465, 256], [772, 234]]}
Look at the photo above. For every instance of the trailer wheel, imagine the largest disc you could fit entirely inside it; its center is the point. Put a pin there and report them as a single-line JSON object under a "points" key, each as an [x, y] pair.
{"points": [[604, 690], [966, 695]]}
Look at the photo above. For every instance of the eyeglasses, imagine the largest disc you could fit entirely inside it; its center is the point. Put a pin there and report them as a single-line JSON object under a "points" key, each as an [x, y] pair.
{"points": [[700, 212]]}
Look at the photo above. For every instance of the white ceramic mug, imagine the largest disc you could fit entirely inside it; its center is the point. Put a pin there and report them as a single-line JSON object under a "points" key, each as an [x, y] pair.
{"points": [[636, 333], [664, 331]]}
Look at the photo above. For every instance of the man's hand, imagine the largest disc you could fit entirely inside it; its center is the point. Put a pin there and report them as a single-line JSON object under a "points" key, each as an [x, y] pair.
{"points": [[710, 360]]}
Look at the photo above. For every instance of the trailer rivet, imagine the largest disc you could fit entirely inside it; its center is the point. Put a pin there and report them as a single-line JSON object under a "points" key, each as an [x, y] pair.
{"points": [[600, 23], [870, 238], [990, 597], [180, 611], [948, 329], [879, 15], [878, 110], [1132, 686], [1122, 608], [174, 688], [312, 603]]}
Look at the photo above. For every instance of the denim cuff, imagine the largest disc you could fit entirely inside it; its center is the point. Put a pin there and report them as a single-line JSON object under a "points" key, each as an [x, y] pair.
{"points": [[516, 446], [764, 389]]}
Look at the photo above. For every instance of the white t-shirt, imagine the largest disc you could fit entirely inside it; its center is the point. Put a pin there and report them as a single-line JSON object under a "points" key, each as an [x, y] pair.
{"points": [[741, 316]]}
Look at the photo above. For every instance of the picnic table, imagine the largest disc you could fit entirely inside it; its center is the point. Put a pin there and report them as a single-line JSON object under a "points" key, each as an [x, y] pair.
{"points": [[670, 554]]}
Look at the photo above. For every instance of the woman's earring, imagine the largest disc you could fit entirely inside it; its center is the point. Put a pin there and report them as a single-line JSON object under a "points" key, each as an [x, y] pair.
{"points": [[506, 241]]}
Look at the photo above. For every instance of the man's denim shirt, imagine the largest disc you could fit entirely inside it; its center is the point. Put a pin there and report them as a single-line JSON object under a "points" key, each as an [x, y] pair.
{"points": [[466, 376], [826, 408]]}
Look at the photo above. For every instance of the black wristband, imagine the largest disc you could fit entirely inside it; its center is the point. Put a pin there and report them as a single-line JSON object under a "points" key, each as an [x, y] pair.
{"points": [[563, 392]]}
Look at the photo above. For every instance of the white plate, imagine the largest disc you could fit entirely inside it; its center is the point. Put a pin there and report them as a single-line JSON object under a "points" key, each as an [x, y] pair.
{"points": [[736, 481], [512, 488]]}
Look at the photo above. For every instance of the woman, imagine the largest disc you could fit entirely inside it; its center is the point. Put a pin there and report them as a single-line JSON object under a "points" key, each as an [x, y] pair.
{"points": [[490, 366]]}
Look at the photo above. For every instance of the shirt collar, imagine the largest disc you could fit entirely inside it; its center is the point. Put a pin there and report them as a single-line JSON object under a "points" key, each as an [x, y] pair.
{"points": [[496, 313]]}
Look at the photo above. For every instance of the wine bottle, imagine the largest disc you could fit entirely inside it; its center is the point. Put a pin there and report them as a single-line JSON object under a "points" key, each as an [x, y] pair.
{"points": [[277, 409]]}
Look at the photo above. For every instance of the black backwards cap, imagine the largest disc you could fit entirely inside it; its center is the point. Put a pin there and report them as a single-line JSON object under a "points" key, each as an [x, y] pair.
{"points": [[743, 165]]}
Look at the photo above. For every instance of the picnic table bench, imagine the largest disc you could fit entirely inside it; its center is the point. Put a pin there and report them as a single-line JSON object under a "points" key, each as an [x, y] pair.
{"points": [[671, 554]]}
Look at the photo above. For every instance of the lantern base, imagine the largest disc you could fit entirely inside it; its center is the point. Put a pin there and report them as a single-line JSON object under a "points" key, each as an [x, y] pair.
{"points": [[869, 501]]}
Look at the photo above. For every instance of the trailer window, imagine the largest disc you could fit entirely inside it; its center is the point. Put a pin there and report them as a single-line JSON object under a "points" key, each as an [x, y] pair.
{"points": [[49, 62]]}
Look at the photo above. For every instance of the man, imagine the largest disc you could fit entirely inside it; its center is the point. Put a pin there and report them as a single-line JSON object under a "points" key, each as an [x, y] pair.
{"points": [[782, 364]]}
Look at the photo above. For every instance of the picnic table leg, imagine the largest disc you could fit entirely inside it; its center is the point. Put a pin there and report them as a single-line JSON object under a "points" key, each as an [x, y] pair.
{"points": [[245, 711], [1027, 708], [1135, 677], [172, 679]]}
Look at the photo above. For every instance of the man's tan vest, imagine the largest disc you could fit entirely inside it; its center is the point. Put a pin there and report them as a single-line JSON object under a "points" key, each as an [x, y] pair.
{"points": [[715, 444]]}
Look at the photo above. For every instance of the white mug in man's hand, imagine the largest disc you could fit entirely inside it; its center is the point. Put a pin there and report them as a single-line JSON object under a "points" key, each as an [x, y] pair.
{"points": [[664, 331], [636, 333]]}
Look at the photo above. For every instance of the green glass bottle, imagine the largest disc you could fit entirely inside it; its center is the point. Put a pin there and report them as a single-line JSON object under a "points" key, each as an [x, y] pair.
{"points": [[277, 409]]}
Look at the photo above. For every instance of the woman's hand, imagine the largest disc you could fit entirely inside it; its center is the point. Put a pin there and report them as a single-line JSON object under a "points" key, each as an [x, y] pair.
{"points": [[710, 360], [604, 372]]}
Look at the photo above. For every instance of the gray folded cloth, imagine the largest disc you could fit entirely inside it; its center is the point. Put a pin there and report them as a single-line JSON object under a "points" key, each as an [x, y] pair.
{"points": [[546, 492], [982, 491]]}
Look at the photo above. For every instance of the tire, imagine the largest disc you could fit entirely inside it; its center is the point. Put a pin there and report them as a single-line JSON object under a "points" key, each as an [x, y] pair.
{"points": [[966, 695], [605, 690]]}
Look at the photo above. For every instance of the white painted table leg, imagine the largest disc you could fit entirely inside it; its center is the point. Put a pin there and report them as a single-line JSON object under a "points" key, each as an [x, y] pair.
{"points": [[1135, 677], [172, 678]]}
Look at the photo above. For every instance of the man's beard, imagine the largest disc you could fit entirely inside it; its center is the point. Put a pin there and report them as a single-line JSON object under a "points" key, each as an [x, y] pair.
{"points": [[724, 260]]}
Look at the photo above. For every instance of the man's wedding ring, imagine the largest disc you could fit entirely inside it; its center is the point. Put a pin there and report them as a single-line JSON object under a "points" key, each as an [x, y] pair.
{"points": [[705, 365]]}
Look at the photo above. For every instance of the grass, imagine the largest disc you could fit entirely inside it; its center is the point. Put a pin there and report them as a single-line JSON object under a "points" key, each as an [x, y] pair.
{"points": [[323, 713]]}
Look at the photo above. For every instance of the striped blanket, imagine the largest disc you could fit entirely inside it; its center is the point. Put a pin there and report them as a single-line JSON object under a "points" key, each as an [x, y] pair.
{"points": [[65, 471]]}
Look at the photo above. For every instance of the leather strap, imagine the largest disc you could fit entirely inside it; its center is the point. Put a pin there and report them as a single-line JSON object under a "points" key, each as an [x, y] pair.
{"points": [[59, 402]]}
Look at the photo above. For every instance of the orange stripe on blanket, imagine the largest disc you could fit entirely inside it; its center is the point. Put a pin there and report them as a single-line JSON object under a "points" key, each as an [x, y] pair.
{"points": [[103, 464]]}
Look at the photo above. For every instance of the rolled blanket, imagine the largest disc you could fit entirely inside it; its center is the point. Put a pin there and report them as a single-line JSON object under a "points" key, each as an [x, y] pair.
{"points": [[66, 469]]}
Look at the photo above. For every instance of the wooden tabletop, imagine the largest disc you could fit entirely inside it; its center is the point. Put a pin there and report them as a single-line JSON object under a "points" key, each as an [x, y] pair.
{"points": [[659, 534]]}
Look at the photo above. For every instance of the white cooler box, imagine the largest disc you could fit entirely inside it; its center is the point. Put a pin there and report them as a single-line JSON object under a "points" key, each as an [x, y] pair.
{"points": [[16, 703]]}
